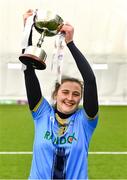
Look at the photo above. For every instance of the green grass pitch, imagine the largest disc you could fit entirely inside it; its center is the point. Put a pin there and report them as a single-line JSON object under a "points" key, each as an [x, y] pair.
{"points": [[17, 132]]}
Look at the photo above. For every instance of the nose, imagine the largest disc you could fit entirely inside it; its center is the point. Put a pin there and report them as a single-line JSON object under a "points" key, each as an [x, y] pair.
{"points": [[70, 96]]}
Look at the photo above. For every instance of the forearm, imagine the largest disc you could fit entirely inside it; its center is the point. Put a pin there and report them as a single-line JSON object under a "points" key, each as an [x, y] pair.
{"points": [[82, 64], [90, 98]]}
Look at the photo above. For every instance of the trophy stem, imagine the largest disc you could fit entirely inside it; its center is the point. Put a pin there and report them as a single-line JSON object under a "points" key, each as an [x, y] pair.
{"points": [[41, 39]]}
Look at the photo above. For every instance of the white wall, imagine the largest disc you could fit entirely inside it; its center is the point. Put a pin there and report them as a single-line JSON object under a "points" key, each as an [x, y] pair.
{"points": [[100, 33]]}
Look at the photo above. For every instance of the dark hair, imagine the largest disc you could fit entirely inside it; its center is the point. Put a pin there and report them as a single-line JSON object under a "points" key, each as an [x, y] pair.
{"points": [[66, 79]]}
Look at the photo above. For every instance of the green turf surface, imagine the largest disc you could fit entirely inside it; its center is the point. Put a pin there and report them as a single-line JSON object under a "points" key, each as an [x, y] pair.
{"points": [[111, 132], [15, 166], [17, 130]]}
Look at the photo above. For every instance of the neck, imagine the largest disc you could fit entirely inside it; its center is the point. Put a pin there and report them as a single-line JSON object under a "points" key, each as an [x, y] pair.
{"points": [[62, 115]]}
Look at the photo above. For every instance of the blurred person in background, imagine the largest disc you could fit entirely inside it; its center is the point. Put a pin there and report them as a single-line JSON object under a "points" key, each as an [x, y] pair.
{"points": [[62, 131]]}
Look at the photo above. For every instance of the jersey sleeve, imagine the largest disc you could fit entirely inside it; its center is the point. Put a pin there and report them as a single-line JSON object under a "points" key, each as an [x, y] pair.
{"points": [[87, 121], [87, 125], [42, 108]]}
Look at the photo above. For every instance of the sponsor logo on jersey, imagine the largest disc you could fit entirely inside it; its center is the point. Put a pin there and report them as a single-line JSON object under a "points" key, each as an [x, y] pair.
{"points": [[60, 140]]}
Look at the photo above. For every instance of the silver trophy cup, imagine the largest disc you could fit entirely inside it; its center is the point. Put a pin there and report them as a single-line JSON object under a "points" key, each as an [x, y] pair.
{"points": [[47, 24]]}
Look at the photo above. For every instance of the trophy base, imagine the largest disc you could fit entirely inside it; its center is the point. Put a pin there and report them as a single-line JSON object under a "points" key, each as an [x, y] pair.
{"points": [[31, 60]]}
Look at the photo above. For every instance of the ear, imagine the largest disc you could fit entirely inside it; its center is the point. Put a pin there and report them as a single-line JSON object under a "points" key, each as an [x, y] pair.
{"points": [[54, 99], [54, 96]]}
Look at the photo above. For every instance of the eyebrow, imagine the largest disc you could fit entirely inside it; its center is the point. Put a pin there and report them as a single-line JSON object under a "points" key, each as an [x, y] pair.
{"points": [[68, 90]]}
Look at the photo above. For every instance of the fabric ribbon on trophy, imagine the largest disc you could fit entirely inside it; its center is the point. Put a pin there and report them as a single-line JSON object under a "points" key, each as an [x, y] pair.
{"points": [[58, 55], [26, 34], [27, 30]]}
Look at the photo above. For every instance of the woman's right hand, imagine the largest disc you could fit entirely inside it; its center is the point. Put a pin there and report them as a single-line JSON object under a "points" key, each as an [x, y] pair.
{"points": [[26, 15]]}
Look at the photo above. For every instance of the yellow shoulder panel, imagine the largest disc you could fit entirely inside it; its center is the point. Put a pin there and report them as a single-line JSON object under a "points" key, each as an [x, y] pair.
{"points": [[37, 105]]}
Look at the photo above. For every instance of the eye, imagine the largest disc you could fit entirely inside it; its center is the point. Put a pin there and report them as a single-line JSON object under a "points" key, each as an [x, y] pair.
{"points": [[65, 92], [76, 94]]}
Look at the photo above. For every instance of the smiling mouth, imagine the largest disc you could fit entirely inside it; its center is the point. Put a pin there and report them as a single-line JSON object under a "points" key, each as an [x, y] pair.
{"points": [[68, 104]]}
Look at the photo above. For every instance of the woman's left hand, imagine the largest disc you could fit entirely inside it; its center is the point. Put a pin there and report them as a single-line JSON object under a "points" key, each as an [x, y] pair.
{"points": [[68, 30]]}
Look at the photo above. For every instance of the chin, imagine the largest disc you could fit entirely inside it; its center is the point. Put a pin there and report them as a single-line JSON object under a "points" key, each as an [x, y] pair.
{"points": [[69, 112]]}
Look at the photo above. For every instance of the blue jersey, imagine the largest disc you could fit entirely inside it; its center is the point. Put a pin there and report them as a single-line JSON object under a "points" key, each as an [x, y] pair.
{"points": [[71, 147]]}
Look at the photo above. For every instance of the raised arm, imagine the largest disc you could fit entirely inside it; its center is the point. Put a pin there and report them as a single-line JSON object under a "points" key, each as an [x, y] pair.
{"points": [[33, 89], [90, 97]]}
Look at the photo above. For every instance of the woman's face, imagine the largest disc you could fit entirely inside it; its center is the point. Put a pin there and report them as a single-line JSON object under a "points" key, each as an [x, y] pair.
{"points": [[68, 97]]}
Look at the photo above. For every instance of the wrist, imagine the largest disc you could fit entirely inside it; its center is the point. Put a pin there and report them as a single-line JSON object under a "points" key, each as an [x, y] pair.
{"points": [[67, 42]]}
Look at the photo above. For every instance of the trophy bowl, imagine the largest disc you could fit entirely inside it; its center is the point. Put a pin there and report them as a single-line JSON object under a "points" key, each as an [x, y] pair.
{"points": [[47, 24]]}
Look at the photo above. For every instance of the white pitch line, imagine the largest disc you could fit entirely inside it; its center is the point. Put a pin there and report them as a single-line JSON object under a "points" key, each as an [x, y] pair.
{"points": [[24, 152], [107, 152], [29, 152]]}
